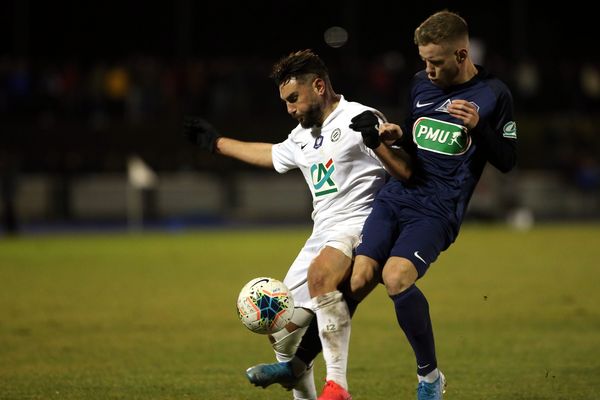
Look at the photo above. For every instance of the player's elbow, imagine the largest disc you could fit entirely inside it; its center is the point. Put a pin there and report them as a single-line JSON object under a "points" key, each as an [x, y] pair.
{"points": [[408, 168], [400, 165], [506, 165], [506, 158], [402, 173], [407, 173]]}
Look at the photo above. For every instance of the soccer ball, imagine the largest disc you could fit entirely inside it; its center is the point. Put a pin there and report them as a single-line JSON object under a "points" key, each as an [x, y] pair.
{"points": [[265, 305]]}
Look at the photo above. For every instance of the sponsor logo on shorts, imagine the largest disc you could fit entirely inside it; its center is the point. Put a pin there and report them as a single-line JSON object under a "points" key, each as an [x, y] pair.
{"points": [[420, 258]]}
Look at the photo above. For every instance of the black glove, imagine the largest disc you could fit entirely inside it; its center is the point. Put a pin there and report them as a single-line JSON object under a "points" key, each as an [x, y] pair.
{"points": [[368, 125], [200, 132]]}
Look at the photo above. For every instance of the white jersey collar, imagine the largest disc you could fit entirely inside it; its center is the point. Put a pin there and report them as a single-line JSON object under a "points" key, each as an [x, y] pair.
{"points": [[338, 109]]}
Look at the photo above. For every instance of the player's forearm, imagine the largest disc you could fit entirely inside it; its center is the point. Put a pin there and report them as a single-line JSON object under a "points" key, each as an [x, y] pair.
{"points": [[395, 161], [254, 153]]}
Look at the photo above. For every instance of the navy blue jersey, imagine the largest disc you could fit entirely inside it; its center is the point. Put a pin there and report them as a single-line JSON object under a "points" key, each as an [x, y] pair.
{"points": [[448, 158]]}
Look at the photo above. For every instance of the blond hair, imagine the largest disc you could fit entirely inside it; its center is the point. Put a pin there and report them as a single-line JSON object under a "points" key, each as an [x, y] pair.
{"points": [[441, 27]]}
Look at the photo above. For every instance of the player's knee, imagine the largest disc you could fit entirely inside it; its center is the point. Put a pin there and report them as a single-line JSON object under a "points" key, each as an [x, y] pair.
{"points": [[358, 288], [360, 280], [322, 279], [365, 277], [317, 278], [398, 275]]}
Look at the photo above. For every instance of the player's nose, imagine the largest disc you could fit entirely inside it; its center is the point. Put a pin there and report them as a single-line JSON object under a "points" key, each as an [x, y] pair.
{"points": [[429, 69], [291, 110]]}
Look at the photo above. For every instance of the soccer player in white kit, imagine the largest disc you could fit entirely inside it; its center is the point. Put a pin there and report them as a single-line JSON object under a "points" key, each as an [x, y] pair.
{"points": [[343, 175]]}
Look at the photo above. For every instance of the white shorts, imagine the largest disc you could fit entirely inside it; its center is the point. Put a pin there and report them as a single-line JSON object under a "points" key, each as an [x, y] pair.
{"points": [[344, 238]]}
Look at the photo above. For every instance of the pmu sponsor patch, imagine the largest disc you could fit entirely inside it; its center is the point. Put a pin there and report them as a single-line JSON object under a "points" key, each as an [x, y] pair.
{"points": [[440, 136]]}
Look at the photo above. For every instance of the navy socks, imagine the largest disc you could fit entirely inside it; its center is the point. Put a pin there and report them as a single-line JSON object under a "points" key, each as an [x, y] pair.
{"points": [[412, 312]]}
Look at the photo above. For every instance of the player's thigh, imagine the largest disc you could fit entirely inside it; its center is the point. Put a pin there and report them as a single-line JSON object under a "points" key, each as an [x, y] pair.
{"points": [[332, 264], [328, 270], [295, 278], [379, 233], [344, 238], [420, 241]]}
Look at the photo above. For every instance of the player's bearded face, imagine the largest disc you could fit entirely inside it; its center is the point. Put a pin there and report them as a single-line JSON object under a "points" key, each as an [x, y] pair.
{"points": [[313, 116], [302, 102]]}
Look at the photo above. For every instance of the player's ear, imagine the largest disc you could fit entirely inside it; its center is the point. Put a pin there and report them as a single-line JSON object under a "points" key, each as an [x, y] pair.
{"points": [[319, 86], [461, 55]]}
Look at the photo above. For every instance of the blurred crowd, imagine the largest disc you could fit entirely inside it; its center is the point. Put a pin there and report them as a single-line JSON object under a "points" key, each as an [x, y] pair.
{"points": [[143, 87], [90, 115]]}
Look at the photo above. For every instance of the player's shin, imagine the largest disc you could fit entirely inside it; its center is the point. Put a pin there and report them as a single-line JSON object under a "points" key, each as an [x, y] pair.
{"points": [[285, 344], [412, 312], [310, 345], [333, 318]]}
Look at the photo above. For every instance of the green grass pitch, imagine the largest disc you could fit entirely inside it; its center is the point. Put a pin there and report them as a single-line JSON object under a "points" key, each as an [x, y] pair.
{"points": [[516, 316]]}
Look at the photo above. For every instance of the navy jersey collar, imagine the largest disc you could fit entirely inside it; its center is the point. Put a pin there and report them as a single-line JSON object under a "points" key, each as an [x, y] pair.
{"points": [[481, 74]]}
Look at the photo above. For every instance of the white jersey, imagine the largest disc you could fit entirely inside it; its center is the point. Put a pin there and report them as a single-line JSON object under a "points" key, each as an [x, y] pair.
{"points": [[343, 175]]}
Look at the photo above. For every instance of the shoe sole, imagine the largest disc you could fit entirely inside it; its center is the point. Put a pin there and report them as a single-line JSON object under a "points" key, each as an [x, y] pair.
{"points": [[444, 383]]}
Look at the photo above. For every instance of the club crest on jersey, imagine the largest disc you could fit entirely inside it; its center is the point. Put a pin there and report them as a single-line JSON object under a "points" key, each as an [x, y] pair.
{"points": [[440, 136], [444, 106], [321, 178], [336, 134]]}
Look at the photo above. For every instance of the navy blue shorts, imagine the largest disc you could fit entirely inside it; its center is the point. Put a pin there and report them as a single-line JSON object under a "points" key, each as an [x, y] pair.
{"points": [[401, 232]]}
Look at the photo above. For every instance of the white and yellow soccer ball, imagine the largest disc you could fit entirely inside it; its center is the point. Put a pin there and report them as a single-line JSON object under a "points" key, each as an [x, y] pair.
{"points": [[265, 305]]}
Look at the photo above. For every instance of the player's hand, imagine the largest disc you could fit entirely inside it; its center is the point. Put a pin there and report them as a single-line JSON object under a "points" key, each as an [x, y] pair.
{"points": [[465, 111], [389, 133], [368, 125], [199, 132]]}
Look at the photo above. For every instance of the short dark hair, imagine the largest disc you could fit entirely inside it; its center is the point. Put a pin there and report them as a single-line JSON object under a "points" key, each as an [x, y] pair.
{"points": [[298, 65], [441, 27]]}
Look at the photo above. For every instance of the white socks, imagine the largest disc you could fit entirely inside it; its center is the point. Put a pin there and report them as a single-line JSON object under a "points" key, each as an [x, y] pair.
{"points": [[285, 346], [430, 377], [333, 318]]}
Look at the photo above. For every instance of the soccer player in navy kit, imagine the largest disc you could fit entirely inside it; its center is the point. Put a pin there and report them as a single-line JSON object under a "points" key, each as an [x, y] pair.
{"points": [[461, 118]]}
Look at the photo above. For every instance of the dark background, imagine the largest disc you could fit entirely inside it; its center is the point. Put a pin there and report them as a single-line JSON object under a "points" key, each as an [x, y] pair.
{"points": [[213, 59], [83, 85], [94, 30]]}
